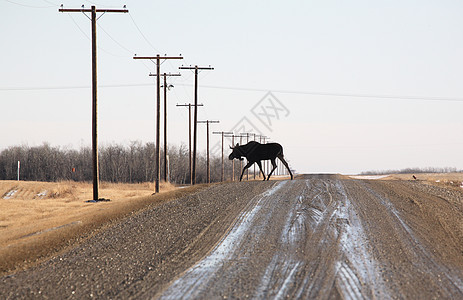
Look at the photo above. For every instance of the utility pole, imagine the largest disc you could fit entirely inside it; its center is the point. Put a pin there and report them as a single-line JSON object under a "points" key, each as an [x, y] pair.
{"points": [[266, 164], [189, 135], [247, 134], [223, 164], [93, 19], [166, 87], [254, 164], [233, 161], [195, 122], [241, 143], [207, 122], [157, 60], [233, 136]]}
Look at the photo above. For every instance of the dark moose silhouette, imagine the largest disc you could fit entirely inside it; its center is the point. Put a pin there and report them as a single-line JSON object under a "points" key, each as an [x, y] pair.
{"points": [[256, 152]]}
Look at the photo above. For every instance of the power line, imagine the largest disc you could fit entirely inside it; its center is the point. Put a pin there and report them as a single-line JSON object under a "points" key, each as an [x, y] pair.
{"points": [[80, 29], [49, 2], [88, 38], [328, 94], [324, 94], [29, 6], [141, 33], [115, 41]]}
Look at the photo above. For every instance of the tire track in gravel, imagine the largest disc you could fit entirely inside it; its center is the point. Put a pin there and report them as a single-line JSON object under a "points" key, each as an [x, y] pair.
{"points": [[195, 282], [320, 252], [322, 238], [446, 281]]}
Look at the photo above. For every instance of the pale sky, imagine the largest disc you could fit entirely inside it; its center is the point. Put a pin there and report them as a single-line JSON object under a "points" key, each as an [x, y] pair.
{"points": [[355, 85]]}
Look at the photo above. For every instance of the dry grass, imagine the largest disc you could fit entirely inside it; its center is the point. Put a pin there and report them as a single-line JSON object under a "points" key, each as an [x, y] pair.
{"points": [[41, 218], [454, 180], [449, 180]]}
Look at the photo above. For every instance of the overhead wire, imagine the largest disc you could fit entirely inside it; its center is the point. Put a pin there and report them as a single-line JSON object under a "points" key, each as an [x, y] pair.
{"points": [[141, 33], [115, 41], [49, 2], [26, 5], [92, 2], [80, 29], [326, 94], [181, 81], [88, 38], [106, 32]]}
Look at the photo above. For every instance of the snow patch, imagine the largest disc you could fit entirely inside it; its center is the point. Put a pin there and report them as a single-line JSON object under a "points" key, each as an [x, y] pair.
{"points": [[10, 194], [358, 268], [41, 195], [369, 177], [195, 280]]}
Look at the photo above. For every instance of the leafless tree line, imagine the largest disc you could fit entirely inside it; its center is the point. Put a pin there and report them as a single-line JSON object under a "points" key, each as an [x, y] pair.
{"points": [[413, 171], [117, 163]]}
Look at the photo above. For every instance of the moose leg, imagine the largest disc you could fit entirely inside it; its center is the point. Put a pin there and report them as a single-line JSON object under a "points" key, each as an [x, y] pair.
{"points": [[245, 167], [260, 167], [274, 164], [286, 165]]}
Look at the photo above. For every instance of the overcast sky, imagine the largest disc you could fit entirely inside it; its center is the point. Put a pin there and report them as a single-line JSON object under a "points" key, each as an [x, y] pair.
{"points": [[354, 85]]}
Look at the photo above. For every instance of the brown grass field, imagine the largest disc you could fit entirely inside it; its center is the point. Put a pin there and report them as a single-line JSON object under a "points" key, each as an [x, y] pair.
{"points": [[41, 219]]}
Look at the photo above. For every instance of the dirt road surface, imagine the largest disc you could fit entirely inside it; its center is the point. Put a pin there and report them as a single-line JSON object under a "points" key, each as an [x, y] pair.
{"points": [[317, 237]]}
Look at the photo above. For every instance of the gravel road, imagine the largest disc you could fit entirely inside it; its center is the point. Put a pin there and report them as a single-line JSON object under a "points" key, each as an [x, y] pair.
{"points": [[315, 237]]}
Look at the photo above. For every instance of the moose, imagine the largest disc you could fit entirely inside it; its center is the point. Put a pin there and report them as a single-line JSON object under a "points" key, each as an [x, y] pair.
{"points": [[256, 152]]}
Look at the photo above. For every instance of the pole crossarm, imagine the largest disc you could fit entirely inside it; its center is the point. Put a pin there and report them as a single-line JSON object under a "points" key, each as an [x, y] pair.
{"points": [[209, 121], [195, 68], [166, 74], [96, 10], [246, 134], [158, 57], [189, 104], [238, 136]]}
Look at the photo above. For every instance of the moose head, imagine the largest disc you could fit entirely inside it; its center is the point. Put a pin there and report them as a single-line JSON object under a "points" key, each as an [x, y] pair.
{"points": [[236, 153]]}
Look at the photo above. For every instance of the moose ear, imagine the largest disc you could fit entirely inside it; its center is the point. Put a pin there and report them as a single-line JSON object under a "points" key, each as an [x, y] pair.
{"points": [[237, 145], [231, 147]]}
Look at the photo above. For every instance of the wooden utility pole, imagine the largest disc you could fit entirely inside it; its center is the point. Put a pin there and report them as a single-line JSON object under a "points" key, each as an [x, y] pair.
{"points": [[93, 19], [247, 134], [166, 87], [233, 161], [189, 135], [195, 122], [223, 163], [254, 164], [207, 122], [266, 164], [157, 60]]}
